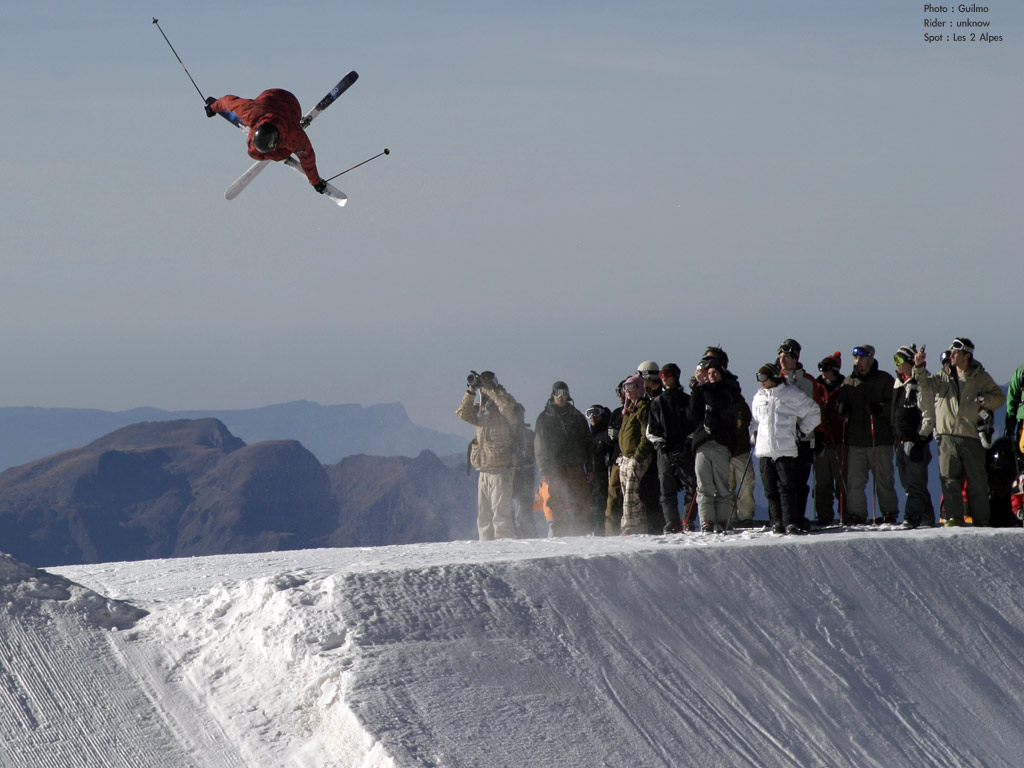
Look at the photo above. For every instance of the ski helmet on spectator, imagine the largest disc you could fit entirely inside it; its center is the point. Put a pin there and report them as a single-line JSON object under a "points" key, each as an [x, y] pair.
{"points": [[649, 370]]}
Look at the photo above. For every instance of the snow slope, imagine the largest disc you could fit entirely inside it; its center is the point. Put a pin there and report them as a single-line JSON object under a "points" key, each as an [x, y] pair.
{"points": [[864, 649]]}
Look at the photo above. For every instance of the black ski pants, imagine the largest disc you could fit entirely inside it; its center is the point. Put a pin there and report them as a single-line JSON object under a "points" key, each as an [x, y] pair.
{"points": [[782, 480]]}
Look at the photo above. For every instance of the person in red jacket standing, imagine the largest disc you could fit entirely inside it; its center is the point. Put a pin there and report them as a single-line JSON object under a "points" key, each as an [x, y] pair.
{"points": [[275, 130]]}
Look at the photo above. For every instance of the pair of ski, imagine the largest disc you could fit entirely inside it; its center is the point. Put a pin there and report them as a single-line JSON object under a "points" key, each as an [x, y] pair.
{"points": [[332, 192]]}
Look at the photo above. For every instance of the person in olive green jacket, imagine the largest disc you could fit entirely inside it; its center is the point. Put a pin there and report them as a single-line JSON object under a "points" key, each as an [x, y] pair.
{"points": [[635, 455], [960, 392]]}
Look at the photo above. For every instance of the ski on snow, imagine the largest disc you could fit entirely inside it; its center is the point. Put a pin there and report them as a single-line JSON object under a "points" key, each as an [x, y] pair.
{"points": [[336, 195]]}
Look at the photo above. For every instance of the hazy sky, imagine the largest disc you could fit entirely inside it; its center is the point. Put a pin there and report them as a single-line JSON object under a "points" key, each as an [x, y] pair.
{"points": [[572, 188]]}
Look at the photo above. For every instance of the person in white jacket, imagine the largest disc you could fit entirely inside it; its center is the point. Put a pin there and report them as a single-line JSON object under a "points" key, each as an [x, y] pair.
{"points": [[781, 416]]}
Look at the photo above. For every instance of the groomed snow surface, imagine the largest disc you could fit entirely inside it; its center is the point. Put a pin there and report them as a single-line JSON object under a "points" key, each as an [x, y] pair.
{"points": [[875, 648]]}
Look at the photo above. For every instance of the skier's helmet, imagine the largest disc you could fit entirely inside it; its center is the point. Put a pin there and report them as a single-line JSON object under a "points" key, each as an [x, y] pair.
{"points": [[266, 138], [649, 370]]}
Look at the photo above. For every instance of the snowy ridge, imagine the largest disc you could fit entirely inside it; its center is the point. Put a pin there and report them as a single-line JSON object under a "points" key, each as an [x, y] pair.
{"points": [[862, 649]]}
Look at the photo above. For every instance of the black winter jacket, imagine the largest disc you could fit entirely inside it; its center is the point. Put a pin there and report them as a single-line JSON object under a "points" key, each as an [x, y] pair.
{"points": [[563, 438], [862, 397], [668, 422], [715, 411]]}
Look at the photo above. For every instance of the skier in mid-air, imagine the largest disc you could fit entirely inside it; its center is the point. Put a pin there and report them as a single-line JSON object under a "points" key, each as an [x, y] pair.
{"points": [[275, 129]]}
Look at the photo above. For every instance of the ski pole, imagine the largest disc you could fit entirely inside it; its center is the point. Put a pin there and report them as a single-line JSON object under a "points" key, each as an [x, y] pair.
{"points": [[689, 511], [842, 479], [874, 473], [385, 152], [157, 22]]}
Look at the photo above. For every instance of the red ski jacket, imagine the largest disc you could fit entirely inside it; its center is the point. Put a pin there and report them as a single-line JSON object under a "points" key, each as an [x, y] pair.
{"points": [[281, 109]]}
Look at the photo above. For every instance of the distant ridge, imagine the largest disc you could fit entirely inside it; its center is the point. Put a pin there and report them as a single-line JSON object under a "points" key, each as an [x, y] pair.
{"points": [[189, 487], [330, 432]]}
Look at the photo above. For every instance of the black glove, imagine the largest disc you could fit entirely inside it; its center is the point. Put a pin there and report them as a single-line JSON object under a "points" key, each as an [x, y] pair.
{"points": [[916, 452], [875, 409], [209, 101], [320, 186]]}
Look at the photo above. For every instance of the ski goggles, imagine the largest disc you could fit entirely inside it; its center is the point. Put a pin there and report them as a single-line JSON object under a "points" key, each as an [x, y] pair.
{"points": [[789, 349], [593, 413], [827, 367], [668, 375], [961, 346], [710, 362], [560, 393], [763, 377], [861, 352], [900, 359]]}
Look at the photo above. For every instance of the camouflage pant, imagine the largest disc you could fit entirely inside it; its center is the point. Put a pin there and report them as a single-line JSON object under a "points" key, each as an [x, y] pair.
{"points": [[631, 471]]}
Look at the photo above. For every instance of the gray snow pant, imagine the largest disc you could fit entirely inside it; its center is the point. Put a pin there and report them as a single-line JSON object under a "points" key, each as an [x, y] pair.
{"points": [[714, 501], [860, 462]]}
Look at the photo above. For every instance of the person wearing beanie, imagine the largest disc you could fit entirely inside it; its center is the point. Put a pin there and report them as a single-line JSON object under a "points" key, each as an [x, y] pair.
{"points": [[741, 477], [669, 429], [865, 401], [913, 455], [715, 407], [780, 414], [791, 367], [635, 452], [565, 459], [492, 410], [961, 391], [828, 444]]}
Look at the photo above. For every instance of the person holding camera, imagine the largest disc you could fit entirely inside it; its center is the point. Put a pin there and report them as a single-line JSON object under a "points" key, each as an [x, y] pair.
{"points": [[961, 391], [492, 410]]}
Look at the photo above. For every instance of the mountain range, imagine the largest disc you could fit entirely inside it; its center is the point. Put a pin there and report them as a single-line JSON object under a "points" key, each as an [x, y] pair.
{"points": [[331, 432], [191, 487]]}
